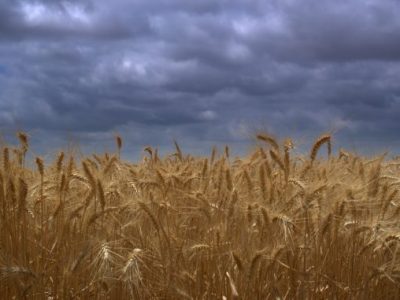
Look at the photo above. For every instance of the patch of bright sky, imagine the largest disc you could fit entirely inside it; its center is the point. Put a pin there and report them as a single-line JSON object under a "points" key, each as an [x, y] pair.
{"points": [[36, 13], [246, 26], [208, 115], [238, 52]]}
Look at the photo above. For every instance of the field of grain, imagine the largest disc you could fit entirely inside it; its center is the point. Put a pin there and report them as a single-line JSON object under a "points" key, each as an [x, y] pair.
{"points": [[270, 225]]}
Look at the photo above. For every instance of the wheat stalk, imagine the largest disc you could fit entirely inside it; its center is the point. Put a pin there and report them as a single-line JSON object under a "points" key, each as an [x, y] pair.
{"points": [[269, 140], [324, 139], [118, 140]]}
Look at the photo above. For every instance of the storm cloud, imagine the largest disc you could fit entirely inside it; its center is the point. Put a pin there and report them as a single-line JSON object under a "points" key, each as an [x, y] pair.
{"points": [[202, 72]]}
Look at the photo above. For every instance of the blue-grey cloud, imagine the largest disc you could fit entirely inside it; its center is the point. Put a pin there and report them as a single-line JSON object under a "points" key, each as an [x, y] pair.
{"points": [[203, 72]]}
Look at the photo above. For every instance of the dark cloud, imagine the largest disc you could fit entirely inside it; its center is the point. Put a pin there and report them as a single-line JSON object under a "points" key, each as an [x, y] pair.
{"points": [[203, 72]]}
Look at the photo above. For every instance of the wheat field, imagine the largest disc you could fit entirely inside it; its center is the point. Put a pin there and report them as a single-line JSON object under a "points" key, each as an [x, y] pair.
{"points": [[269, 225]]}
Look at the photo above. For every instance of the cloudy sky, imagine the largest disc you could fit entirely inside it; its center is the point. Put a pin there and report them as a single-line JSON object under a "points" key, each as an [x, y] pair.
{"points": [[209, 72]]}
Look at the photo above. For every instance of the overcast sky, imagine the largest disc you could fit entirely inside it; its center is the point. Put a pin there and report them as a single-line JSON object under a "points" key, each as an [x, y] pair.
{"points": [[203, 72]]}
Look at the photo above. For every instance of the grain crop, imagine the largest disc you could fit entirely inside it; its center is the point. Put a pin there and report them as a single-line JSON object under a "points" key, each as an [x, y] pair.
{"points": [[272, 224]]}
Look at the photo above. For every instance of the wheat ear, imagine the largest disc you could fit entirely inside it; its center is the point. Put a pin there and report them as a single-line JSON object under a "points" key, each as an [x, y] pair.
{"points": [[317, 145]]}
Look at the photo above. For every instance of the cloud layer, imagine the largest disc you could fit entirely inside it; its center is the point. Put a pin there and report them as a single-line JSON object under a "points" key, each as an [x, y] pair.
{"points": [[203, 72]]}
